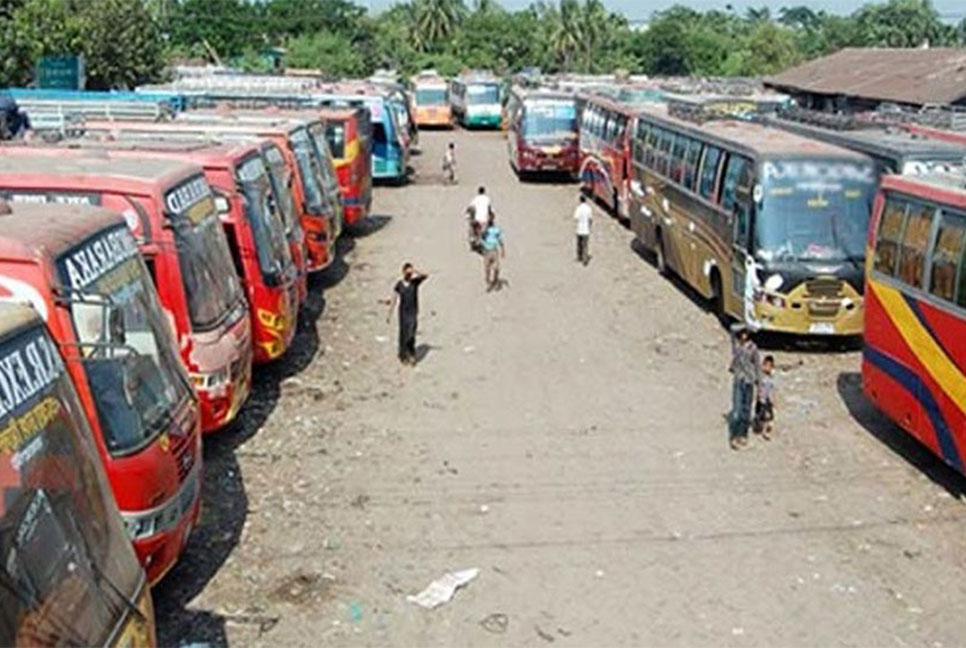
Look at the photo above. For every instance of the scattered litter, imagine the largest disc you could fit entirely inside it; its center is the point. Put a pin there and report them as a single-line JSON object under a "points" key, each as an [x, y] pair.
{"points": [[910, 554], [927, 508], [442, 589], [915, 610], [546, 636], [737, 631], [469, 349], [496, 623], [484, 509], [382, 339], [355, 612], [599, 573]]}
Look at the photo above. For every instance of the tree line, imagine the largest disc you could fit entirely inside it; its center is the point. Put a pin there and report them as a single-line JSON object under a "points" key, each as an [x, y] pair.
{"points": [[129, 42]]}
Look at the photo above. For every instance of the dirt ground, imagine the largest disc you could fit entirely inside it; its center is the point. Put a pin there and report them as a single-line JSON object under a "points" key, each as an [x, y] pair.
{"points": [[566, 436]]}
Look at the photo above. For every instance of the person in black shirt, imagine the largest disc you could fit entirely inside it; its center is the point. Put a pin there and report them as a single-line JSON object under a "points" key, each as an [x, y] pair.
{"points": [[406, 294]]}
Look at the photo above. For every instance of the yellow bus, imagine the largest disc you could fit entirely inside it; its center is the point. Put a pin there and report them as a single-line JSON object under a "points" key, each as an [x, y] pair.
{"points": [[767, 225], [430, 99]]}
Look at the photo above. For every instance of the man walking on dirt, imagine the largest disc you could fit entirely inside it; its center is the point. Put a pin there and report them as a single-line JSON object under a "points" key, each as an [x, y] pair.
{"points": [[406, 294], [583, 215], [493, 249]]}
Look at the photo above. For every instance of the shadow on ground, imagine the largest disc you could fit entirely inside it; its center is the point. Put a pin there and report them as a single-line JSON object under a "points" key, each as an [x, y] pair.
{"points": [[224, 501], [849, 386]]}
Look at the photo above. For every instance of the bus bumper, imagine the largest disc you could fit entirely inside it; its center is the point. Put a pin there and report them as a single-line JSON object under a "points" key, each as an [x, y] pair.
{"points": [[176, 517], [802, 312], [488, 121], [383, 169]]}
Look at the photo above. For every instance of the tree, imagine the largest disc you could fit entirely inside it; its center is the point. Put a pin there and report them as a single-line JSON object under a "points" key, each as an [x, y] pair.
{"points": [[224, 27], [123, 47], [332, 53], [287, 18], [900, 23], [437, 20]]}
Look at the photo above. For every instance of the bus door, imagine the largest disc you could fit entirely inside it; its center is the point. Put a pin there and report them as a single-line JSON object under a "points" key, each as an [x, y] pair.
{"points": [[736, 202]]}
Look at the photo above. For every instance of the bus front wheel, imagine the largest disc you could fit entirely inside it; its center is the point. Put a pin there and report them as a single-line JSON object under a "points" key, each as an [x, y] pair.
{"points": [[660, 257]]}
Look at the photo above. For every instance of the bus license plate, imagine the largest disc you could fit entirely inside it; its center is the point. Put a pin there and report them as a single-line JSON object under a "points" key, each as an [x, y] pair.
{"points": [[822, 328]]}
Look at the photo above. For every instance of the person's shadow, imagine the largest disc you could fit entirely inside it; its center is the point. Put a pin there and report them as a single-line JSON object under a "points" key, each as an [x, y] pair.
{"points": [[422, 351]]}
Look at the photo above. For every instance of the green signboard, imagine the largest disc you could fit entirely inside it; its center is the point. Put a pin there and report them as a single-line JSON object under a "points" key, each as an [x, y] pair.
{"points": [[61, 72]]}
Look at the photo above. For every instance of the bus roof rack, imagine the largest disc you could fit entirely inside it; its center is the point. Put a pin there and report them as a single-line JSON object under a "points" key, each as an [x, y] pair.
{"points": [[52, 126], [702, 108], [42, 109]]}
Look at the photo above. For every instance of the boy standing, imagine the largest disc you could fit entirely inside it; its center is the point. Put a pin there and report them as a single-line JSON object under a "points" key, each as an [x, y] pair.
{"points": [[406, 294], [583, 215], [746, 376], [449, 163], [765, 405]]}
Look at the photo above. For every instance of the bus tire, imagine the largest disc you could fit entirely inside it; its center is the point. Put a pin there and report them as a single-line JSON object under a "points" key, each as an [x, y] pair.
{"points": [[660, 258], [717, 296]]}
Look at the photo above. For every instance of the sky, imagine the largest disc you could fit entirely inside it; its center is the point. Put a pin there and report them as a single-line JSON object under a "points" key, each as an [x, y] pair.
{"points": [[951, 10]]}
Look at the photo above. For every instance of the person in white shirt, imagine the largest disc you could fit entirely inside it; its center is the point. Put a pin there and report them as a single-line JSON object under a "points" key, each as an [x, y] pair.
{"points": [[478, 212], [449, 163], [583, 215]]}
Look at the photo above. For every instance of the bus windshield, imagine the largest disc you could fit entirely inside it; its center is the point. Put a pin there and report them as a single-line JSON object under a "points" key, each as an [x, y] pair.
{"points": [[281, 179], [271, 247], [309, 171], [548, 120], [208, 274], [66, 564], [125, 344], [329, 180], [335, 136], [814, 210], [430, 96], [483, 94]]}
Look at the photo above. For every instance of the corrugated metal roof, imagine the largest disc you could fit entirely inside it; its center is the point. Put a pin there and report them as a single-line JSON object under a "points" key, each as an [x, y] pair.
{"points": [[912, 76]]}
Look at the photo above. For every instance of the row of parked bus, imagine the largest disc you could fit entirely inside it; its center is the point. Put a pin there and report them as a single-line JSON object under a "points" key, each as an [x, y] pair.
{"points": [[145, 267], [787, 226]]}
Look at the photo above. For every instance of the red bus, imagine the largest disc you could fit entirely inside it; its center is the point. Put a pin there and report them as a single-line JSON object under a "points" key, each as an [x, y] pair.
{"points": [[248, 207], [56, 507], [605, 152], [320, 218], [170, 208], [914, 361], [80, 269], [542, 132]]}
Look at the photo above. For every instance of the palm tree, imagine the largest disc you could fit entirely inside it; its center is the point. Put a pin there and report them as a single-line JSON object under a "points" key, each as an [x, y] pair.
{"points": [[436, 20]]}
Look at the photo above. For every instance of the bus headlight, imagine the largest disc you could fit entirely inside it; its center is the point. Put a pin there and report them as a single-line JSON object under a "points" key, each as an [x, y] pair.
{"points": [[210, 380]]}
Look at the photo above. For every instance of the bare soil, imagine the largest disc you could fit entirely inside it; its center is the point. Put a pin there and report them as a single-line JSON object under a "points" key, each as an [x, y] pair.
{"points": [[565, 435]]}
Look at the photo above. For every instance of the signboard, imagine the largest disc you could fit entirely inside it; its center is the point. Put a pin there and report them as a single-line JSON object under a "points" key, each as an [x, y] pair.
{"points": [[61, 72]]}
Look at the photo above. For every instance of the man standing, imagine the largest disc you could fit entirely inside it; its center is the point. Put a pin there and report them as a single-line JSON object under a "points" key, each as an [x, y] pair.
{"points": [[583, 215], [746, 377], [493, 249], [479, 211], [449, 163], [406, 294]]}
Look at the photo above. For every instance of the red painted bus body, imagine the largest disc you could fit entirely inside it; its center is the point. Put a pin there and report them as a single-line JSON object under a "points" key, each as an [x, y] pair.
{"points": [[914, 361], [320, 220], [67, 261], [245, 199], [169, 207], [605, 152], [543, 132]]}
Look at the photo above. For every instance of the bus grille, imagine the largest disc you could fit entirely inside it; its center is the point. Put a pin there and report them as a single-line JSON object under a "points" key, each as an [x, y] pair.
{"points": [[181, 451], [823, 288]]}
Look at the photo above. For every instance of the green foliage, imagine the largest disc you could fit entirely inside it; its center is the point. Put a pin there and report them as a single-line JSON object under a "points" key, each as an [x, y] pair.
{"points": [[330, 52], [119, 39], [224, 28]]}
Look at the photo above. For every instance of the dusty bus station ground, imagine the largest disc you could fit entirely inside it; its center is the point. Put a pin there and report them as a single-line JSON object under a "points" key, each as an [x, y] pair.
{"points": [[565, 436]]}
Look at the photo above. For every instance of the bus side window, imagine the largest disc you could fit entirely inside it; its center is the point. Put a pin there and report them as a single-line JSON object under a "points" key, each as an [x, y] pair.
{"points": [[915, 238], [678, 151], [709, 172], [650, 154], [947, 255], [734, 174], [690, 163], [890, 233]]}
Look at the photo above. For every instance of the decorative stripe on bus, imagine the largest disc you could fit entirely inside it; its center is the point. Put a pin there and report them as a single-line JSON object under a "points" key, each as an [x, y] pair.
{"points": [[921, 343], [913, 384]]}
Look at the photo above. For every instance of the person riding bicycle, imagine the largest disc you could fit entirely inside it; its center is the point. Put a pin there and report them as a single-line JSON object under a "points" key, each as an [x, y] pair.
{"points": [[478, 214]]}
